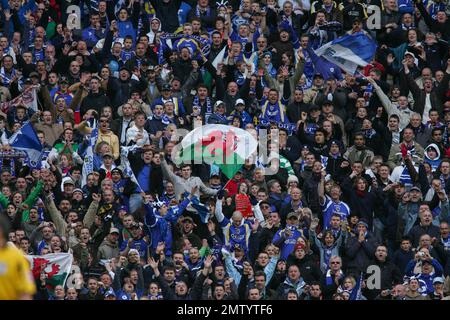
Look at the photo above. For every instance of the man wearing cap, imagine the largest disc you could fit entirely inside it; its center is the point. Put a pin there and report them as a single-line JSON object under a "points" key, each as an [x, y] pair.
{"points": [[61, 90], [107, 166], [136, 241], [219, 116], [109, 248], [430, 268], [438, 293], [159, 219], [152, 91], [119, 90], [360, 249], [167, 95], [104, 134], [286, 238], [239, 111]]}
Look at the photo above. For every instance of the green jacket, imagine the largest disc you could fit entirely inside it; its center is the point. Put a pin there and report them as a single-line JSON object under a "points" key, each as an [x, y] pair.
{"points": [[29, 201]]}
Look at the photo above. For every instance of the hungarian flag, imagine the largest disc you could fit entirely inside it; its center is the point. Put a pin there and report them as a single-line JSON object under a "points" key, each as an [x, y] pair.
{"points": [[56, 267], [225, 146]]}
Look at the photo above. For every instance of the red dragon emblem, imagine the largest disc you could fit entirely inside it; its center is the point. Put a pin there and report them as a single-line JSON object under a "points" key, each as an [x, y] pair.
{"points": [[40, 264], [217, 140]]}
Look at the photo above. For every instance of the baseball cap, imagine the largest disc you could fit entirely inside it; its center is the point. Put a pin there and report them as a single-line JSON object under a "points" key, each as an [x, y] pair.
{"points": [[264, 202], [327, 102], [218, 103], [28, 80], [318, 75], [114, 230], [116, 170], [410, 53], [77, 190], [415, 189], [291, 215], [124, 68], [237, 246], [166, 87], [69, 181], [364, 223], [183, 219], [239, 101], [133, 251], [292, 178], [34, 74], [438, 280], [313, 107], [299, 245], [107, 154], [151, 68]]}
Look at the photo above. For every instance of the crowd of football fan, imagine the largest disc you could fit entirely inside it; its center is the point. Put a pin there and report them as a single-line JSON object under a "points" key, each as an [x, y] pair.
{"points": [[364, 169]]}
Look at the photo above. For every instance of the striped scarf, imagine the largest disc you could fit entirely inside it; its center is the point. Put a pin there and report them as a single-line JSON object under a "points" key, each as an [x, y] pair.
{"points": [[198, 12], [5, 78], [209, 108], [285, 164], [405, 178]]}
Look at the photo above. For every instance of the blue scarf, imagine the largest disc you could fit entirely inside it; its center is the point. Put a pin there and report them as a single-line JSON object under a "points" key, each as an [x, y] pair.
{"points": [[5, 78], [405, 178], [198, 13], [209, 107], [369, 133]]}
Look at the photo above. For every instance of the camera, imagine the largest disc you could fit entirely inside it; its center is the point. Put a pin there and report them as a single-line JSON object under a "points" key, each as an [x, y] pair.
{"points": [[421, 254], [361, 81]]}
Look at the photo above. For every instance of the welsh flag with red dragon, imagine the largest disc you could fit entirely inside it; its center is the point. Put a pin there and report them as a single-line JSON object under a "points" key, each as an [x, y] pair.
{"points": [[55, 266], [225, 146]]}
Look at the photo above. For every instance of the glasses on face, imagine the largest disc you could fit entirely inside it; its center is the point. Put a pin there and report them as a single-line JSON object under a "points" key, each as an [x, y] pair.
{"points": [[103, 121], [335, 262]]}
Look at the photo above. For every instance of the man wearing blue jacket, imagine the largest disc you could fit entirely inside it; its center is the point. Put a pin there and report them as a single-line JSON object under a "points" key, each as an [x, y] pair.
{"points": [[286, 238], [427, 274], [94, 32], [159, 218]]}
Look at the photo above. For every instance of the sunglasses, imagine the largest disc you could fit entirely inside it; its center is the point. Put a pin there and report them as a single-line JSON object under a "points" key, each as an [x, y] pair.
{"points": [[335, 262]]}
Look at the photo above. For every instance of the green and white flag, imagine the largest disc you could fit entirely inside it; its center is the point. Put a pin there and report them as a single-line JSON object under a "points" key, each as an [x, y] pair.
{"points": [[225, 146], [56, 267]]}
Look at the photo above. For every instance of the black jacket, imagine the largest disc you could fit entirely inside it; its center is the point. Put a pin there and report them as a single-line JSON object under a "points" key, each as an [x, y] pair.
{"points": [[390, 276], [94, 101], [309, 270]]}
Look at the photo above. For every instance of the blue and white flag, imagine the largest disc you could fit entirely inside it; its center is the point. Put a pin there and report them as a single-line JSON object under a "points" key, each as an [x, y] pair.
{"points": [[356, 291], [27, 140], [349, 51], [88, 164]]}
